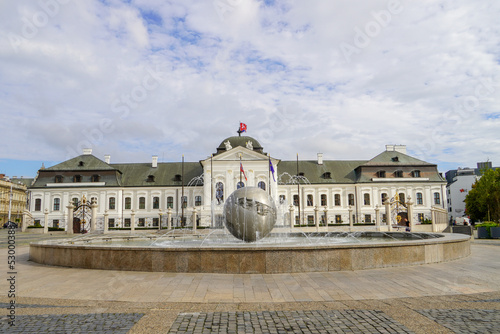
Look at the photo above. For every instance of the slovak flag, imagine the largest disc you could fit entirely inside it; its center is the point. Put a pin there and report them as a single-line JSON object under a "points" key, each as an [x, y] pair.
{"points": [[271, 168], [243, 127], [241, 170], [462, 190]]}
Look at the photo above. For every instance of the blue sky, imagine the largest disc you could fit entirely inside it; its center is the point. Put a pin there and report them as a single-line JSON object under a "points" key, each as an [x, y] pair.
{"points": [[147, 77]]}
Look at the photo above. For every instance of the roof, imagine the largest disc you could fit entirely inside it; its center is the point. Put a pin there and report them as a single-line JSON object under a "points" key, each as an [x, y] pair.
{"points": [[340, 171], [84, 162], [136, 174], [239, 141], [386, 158]]}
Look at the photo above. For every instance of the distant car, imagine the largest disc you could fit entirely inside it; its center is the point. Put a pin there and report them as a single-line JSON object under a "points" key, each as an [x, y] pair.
{"points": [[10, 225]]}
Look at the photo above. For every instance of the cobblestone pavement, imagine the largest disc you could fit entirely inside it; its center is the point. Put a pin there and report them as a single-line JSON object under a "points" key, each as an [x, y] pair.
{"points": [[466, 321], [327, 321]]}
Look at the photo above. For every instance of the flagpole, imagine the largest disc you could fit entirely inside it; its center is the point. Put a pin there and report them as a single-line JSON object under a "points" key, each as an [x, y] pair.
{"points": [[298, 187], [269, 174], [212, 189], [241, 167], [182, 193]]}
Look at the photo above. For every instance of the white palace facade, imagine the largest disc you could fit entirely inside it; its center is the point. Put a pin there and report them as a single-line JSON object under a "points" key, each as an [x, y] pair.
{"points": [[146, 195]]}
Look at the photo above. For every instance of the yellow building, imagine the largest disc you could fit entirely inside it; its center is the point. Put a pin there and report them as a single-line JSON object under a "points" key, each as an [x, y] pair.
{"points": [[19, 199]]}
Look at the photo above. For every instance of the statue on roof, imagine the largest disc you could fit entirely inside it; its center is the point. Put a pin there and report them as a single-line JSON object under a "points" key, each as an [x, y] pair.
{"points": [[228, 145], [250, 145]]}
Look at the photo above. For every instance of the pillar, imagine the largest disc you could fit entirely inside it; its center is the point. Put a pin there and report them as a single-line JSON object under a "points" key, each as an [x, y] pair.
{"points": [[93, 222], [409, 205], [69, 224], [292, 216], [159, 223], [194, 219], [46, 222], [316, 217], [351, 223], [326, 217], [169, 219], [24, 223], [106, 221], [132, 221], [433, 219], [388, 215], [377, 217]]}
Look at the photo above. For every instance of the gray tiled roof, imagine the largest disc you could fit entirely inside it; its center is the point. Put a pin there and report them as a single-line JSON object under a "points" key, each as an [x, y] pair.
{"points": [[340, 171], [85, 162]]}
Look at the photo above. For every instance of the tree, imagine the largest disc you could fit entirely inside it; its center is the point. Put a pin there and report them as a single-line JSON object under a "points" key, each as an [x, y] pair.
{"points": [[483, 201]]}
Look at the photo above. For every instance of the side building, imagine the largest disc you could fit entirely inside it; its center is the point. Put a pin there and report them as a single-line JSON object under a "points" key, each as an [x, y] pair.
{"points": [[13, 198], [143, 195]]}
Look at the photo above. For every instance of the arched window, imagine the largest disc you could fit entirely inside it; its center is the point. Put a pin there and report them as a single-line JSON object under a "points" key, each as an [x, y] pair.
{"points": [[112, 203], [170, 202], [95, 178], [184, 201], [398, 173], [142, 203], [402, 197], [77, 178], [128, 203], [437, 198], [57, 204], [156, 202], [310, 201], [75, 201], [420, 199], [337, 199], [58, 179], [324, 201], [262, 185], [197, 200], [219, 192], [38, 204], [240, 185], [366, 199], [383, 197], [381, 173], [350, 199]]}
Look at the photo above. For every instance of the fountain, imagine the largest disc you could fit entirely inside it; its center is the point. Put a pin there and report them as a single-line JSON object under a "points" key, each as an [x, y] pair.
{"points": [[250, 246]]}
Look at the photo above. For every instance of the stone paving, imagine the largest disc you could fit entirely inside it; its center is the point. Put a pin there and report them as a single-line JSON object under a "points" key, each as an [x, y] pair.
{"points": [[462, 296]]}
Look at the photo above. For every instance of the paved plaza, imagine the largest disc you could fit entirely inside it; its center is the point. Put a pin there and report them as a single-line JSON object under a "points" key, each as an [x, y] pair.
{"points": [[462, 296]]}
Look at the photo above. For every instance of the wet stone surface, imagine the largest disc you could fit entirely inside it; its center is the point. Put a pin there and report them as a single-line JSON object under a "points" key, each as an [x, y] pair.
{"points": [[115, 323], [326, 321], [465, 320]]}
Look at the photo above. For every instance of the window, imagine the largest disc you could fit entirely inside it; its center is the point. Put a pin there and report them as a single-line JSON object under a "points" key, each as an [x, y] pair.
{"points": [[309, 200], [142, 222], [77, 178], [93, 200], [156, 202], [156, 221], [421, 217], [282, 199], [324, 201], [437, 198], [384, 197], [184, 201], [297, 220], [368, 218], [57, 204], [310, 220], [197, 200], [111, 222], [38, 204], [395, 159], [338, 219], [75, 201], [398, 173], [128, 203], [337, 199], [219, 192], [366, 199], [416, 173], [178, 178], [402, 198], [55, 223], [127, 222], [81, 163], [296, 200], [327, 175], [95, 178], [381, 173], [350, 199], [112, 203], [58, 179], [420, 200], [262, 185], [240, 185], [170, 202], [142, 203], [151, 178], [384, 217]]}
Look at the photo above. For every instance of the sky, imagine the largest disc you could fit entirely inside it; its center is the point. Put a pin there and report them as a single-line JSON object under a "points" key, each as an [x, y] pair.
{"points": [[139, 78]]}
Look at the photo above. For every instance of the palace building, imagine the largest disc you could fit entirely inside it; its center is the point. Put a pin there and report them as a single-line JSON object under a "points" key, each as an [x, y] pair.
{"points": [[142, 195]]}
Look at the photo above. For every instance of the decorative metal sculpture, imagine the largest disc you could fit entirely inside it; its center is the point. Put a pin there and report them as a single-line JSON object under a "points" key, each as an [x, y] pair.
{"points": [[250, 214]]}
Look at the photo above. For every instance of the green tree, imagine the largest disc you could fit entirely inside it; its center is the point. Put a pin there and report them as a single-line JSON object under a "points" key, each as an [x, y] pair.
{"points": [[483, 201]]}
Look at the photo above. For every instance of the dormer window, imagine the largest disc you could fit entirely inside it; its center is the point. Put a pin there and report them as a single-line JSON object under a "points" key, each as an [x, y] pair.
{"points": [[77, 178], [416, 173], [81, 163], [381, 173], [151, 178], [398, 173], [395, 159], [58, 179], [327, 175], [95, 178], [178, 177], [301, 173]]}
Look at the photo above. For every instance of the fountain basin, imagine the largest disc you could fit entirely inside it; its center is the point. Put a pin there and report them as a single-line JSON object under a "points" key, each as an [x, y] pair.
{"points": [[254, 258]]}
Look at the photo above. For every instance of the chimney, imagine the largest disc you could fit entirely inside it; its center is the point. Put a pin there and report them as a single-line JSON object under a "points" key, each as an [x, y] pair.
{"points": [[155, 161], [397, 148], [320, 158], [107, 159], [87, 151]]}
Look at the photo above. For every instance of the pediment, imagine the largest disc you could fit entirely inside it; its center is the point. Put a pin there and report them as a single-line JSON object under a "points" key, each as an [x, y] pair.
{"points": [[235, 153]]}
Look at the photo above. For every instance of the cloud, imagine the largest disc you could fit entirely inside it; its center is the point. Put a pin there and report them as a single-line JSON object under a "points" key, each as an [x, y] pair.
{"points": [[150, 76]]}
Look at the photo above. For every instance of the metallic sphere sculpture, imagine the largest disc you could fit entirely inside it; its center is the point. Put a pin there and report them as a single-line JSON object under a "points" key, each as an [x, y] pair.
{"points": [[250, 214]]}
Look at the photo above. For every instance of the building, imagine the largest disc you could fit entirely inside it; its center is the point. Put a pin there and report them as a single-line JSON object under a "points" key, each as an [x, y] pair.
{"points": [[18, 204], [459, 183], [145, 194]]}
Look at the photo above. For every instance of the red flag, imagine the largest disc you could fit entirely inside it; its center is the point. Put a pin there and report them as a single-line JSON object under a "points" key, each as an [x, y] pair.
{"points": [[241, 170], [243, 127]]}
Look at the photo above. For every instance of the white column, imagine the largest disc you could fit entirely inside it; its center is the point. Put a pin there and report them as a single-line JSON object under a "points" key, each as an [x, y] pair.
{"points": [[292, 216], [132, 222], [159, 223], [316, 217], [69, 223], [106, 221], [93, 221], [410, 213], [169, 219], [377, 217], [351, 223], [46, 222], [326, 217], [388, 215], [24, 223], [194, 219]]}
